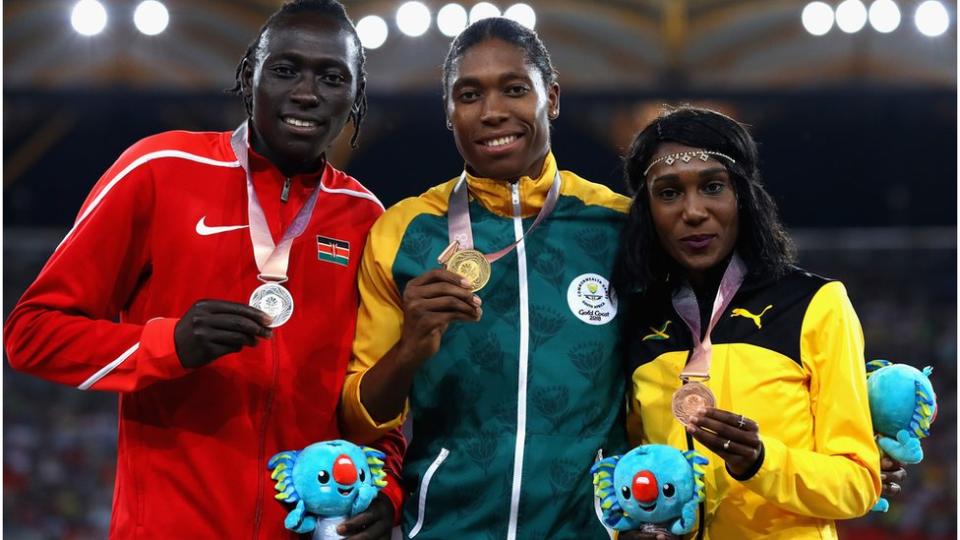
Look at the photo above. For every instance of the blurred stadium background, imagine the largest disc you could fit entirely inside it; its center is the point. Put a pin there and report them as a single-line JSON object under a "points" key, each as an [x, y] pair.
{"points": [[855, 111]]}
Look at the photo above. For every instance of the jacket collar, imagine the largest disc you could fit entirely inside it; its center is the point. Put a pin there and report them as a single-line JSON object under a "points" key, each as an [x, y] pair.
{"points": [[497, 195]]}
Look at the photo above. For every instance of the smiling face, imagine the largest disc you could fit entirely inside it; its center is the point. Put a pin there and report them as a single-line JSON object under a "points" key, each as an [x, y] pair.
{"points": [[500, 110], [652, 485], [328, 477], [302, 84], [694, 209]]}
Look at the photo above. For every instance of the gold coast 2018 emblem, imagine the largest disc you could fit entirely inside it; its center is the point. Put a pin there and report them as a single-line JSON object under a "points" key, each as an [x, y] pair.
{"points": [[472, 265]]}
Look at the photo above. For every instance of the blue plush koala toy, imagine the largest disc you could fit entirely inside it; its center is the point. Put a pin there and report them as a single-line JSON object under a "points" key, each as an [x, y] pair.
{"points": [[903, 405], [326, 479], [651, 484]]}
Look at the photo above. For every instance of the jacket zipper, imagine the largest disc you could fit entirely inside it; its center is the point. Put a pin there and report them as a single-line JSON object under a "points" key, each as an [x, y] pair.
{"points": [[261, 464], [523, 354], [424, 484]]}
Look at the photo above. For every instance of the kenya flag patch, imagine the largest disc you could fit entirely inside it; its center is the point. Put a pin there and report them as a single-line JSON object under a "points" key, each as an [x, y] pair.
{"points": [[333, 250]]}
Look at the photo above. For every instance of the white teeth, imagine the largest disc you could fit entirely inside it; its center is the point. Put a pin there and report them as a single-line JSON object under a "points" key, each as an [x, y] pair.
{"points": [[299, 123], [501, 141]]}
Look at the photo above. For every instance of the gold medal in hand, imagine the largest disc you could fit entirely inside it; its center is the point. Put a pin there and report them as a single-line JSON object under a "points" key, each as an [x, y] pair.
{"points": [[472, 265]]}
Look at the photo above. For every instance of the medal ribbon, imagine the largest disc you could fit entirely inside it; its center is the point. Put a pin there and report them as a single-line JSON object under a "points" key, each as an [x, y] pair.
{"points": [[272, 260], [458, 218], [685, 303]]}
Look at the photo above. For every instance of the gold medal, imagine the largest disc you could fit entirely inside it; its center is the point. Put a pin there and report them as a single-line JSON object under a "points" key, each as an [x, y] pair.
{"points": [[472, 265], [691, 398]]}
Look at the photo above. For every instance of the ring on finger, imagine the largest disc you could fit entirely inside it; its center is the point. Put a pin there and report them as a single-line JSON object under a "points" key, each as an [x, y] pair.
{"points": [[741, 422], [726, 445]]}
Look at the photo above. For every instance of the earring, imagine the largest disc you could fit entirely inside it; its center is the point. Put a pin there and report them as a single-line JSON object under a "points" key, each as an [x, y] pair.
{"points": [[553, 114], [450, 125]]}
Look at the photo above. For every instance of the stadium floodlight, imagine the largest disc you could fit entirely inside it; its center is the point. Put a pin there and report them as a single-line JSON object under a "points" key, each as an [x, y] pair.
{"points": [[372, 31], [151, 17], [483, 10], [884, 16], [88, 17], [851, 16], [931, 18], [817, 18], [451, 20], [413, 19], [523, 14]]}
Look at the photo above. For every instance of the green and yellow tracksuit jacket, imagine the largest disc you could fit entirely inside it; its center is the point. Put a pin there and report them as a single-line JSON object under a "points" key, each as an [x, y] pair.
{"points": [[509, 415], [787, 353]]}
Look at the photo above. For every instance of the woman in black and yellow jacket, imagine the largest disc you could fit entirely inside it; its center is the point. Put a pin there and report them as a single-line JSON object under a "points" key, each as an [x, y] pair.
{"points": [[789, 439]]}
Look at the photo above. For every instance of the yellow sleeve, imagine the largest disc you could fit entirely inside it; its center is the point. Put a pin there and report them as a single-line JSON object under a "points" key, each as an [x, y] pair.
{"points": [[379, 326], [840, 478]]}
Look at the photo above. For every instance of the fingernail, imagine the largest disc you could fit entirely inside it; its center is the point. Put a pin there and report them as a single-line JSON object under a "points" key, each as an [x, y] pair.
{"points": [[476, 300], [466, 283]]}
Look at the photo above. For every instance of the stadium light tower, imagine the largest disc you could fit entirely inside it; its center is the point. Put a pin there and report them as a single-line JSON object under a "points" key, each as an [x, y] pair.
{"points": [[851, 16], [482, 11], [523, 14], [88, 17], [451, 19], [932, 18], [413, 19], [151, 17], [884, 16], [372, 31], [817, 18]]}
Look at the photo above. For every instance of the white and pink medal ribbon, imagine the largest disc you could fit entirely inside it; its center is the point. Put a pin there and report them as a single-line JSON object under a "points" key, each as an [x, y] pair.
{"points": [[460, 257], [693, 395], [272, 260]]}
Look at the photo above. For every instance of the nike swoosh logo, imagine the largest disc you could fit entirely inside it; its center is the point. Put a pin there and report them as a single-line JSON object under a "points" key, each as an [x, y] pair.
{"points": [[204, 230]]}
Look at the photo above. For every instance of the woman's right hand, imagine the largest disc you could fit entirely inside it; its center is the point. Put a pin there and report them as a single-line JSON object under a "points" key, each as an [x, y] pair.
{"points": [[431, 301]]}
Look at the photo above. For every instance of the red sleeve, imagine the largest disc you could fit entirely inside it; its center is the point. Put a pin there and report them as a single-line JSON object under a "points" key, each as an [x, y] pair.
{"points": [[64, 327], [394, 445]]}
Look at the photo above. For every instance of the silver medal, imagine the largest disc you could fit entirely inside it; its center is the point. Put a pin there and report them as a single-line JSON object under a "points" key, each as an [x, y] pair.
{"points": [[274, 300]]}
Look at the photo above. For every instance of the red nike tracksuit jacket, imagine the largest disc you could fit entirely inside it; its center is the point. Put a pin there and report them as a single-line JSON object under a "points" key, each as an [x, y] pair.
{"points": [[164, 227]]}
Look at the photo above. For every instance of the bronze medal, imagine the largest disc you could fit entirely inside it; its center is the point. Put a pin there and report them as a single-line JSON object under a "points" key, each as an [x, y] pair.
{"points": [[691, 398], [472, 265]]}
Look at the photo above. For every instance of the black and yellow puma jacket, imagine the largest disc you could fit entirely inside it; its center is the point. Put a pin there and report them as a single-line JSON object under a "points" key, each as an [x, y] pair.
{"points": [[787, 353]]}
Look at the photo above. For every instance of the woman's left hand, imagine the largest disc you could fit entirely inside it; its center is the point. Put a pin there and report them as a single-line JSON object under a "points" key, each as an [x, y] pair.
{"points": [[372, 524], [733, 437], [892, 474]]}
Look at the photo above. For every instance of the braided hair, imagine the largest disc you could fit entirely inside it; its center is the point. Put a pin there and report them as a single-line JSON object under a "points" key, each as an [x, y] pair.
{"points": [[330, 8]]}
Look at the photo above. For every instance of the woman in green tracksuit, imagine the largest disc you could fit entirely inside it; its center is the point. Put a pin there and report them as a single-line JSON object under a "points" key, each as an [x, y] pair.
{"points": [[515, 387]]}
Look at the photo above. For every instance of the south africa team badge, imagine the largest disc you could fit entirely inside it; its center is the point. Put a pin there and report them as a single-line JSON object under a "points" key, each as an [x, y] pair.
{"points": [[591, 299]]}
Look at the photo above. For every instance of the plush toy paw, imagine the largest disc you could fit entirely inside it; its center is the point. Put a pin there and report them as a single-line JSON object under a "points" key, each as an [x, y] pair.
{"points": [[905, 449], [882, 505]]}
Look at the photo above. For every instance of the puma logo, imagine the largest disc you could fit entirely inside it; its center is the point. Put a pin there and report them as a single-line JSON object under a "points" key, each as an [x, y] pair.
{"points": [[740, 312], [658, 334]]}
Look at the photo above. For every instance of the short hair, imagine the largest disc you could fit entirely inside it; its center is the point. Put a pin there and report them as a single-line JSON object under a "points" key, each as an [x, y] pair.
{"points": [[762, 243], [506, 30], [330, 8]]}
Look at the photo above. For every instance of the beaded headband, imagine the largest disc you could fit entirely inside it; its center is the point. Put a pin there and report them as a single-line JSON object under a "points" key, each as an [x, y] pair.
{"points": [[702, 155]]}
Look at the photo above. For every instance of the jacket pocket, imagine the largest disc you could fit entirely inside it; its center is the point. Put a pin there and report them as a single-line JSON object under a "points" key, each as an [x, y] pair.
{"points": [[424, 485]]}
